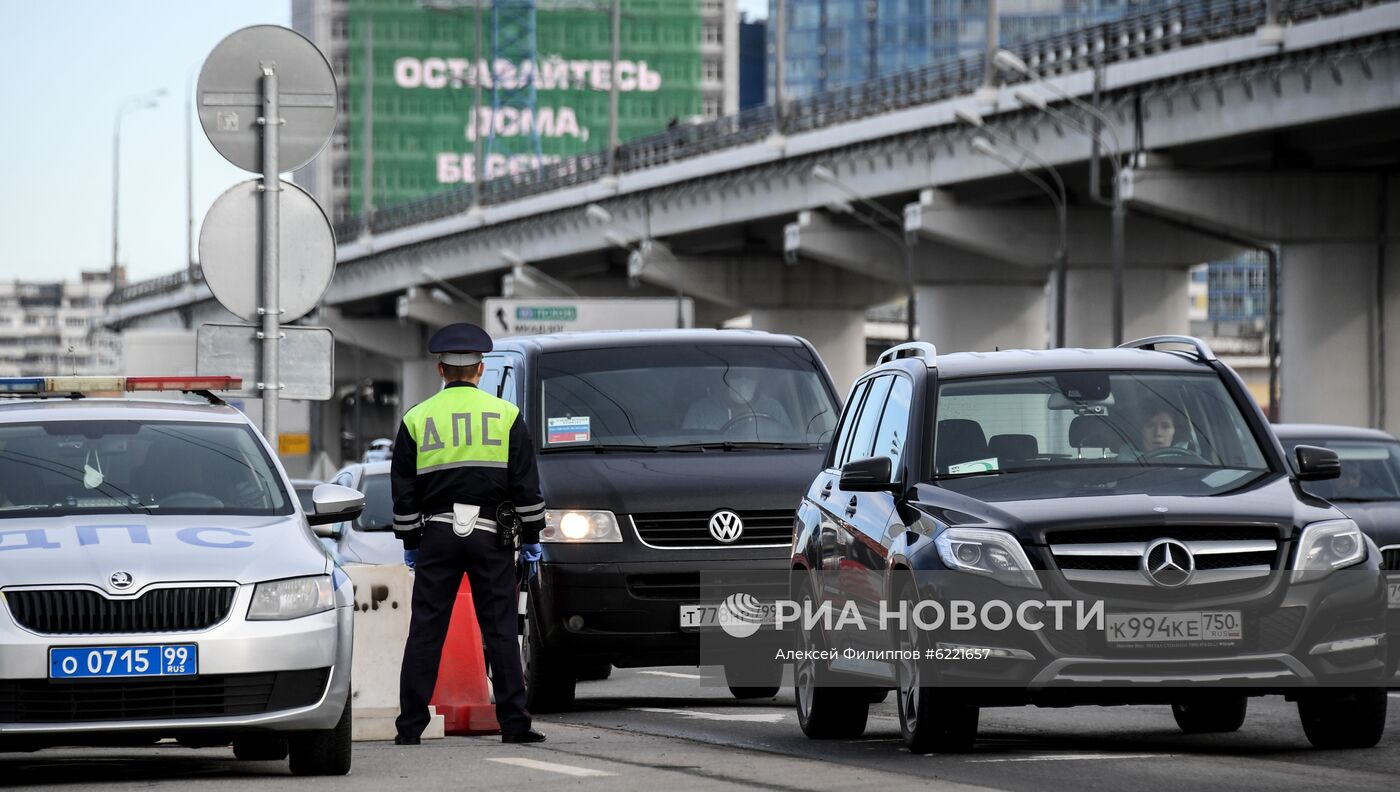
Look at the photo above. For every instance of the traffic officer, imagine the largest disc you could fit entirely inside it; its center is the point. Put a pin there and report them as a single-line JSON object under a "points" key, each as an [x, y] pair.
{"points": [[460, 450]]}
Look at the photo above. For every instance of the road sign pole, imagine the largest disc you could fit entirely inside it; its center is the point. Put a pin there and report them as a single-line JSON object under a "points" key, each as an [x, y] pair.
{"points": [[271, 236]]}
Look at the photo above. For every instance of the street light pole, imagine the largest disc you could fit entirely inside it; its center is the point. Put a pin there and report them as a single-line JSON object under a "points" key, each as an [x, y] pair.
{"points": [[1010, 62], [824, 174], [144, 101]]}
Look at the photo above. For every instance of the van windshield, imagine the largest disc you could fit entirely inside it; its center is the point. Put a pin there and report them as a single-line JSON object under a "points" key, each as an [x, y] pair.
{"points": [[680, 397], [119, 467]]}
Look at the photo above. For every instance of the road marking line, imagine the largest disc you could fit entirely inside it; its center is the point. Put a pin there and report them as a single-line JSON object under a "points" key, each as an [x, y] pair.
{"points": [[746, 717], [1395, 695], [551, 767], [1071, 758], [671, 674]]}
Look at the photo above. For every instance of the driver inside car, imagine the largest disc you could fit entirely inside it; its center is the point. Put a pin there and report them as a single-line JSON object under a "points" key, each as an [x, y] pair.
{"points": [[724, 403]]}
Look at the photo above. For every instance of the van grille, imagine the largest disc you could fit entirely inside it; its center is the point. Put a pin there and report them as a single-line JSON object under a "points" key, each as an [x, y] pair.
{"points": [[206, 696], [692, 529], [87, 612]]}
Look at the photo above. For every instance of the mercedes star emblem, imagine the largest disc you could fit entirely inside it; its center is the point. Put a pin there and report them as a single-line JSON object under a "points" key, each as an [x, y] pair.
{"points": [[1168, 563]]}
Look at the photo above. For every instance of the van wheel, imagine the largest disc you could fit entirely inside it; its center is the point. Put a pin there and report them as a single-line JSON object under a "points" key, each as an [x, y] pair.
{"points": [[1344, 718], [260, 748], [775, 675], [549, 680], [593, 672], [325, 752], [927, 724], [826, 712], [1217, 716]]}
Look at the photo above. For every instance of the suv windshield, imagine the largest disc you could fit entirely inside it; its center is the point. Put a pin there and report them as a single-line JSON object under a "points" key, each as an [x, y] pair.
{"points": [[691, 396], [1370, 470], [1123, 424], [87, 467]]}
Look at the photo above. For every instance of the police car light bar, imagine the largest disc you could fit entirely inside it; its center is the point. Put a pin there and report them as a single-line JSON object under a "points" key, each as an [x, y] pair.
{"points": [[64, 385]]}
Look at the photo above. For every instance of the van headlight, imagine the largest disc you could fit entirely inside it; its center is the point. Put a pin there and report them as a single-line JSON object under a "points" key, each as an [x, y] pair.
{"points": [[279, 600], [569, 525], [987, 552], [1325, 546]]}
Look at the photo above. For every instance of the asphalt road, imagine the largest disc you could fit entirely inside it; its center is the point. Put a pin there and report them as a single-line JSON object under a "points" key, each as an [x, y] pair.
{"points": [[660, 729]]}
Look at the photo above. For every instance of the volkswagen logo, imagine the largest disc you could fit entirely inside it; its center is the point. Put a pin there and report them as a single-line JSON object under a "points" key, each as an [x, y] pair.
{"points": [[1168, 563], [725, 526], [121, 580]]}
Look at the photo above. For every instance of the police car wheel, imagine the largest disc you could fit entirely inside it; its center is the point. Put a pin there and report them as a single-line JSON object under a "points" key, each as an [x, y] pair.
{"points": [[325, 752], [549, 679]]}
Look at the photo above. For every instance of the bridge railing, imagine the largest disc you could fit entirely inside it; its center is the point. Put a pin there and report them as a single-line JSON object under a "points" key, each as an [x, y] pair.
{"points": [[1151, 30]]}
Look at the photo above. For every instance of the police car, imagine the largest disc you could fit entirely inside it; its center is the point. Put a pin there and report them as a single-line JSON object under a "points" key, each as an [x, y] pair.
{"points": [[159, 579]]}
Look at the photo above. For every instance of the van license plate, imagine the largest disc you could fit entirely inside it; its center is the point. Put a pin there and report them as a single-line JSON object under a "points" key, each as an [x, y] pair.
{"points": [[1185, 627], [92, 662], [699, 617]]}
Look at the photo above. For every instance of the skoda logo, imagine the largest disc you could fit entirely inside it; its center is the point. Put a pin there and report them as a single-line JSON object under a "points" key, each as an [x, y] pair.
{"points": [[1168, 563], [120, 580], [725, 526]]}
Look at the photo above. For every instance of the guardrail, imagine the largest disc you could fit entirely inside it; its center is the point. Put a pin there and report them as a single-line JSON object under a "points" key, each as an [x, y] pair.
{"points": [[1154, 30]]}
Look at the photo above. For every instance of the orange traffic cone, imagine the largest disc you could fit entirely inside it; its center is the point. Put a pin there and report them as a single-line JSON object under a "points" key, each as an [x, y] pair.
{"points": [[463, 695]]}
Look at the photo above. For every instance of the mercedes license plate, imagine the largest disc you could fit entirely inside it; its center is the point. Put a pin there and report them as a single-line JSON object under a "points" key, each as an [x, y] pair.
{"points": [[90, 662], [1174, 628]]}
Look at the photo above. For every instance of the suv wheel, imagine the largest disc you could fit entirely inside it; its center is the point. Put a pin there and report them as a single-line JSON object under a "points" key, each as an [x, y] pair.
{"points": [[1214, 716], [325, 752], [1342, 718], [260, 748], [549, 680], [928, 724], [825, 712]]}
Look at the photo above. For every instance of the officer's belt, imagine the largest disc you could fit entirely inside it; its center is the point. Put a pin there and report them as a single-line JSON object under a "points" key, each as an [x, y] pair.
{"points": [[482, 524]]}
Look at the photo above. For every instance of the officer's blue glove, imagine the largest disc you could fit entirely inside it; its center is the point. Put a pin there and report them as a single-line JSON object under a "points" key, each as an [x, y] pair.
{"points": [[531, 554], [410, 558]]}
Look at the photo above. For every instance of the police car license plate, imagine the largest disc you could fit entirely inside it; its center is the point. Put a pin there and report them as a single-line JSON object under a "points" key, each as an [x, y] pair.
{"points": [[123, 661], [1174, 628]]}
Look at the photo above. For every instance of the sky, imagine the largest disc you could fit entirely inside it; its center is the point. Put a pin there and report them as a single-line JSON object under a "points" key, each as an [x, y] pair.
{"points": [[65, 70]]}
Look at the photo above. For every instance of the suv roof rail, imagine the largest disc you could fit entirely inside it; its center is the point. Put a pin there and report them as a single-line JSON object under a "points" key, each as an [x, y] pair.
{"points": [[1203, 350], [918, 349]]}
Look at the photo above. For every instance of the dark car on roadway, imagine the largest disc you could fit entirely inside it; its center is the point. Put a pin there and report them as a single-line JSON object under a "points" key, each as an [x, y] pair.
{"points": [[661, 454], [1141, 477]]}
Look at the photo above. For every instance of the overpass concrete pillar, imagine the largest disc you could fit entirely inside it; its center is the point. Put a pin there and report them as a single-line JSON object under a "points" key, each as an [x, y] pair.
{"points": [[980, 317], [418, 380], [837, 333], [1155, 302], [1327, 301]]}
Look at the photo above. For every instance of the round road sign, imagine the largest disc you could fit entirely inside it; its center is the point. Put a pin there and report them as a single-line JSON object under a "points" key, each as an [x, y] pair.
{"points": [[229, 97], [229, 250]]}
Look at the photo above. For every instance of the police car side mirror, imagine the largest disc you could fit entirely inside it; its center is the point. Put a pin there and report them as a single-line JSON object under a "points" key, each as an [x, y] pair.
{"points": [[1317, 464], [868, 475], [332, 503]]}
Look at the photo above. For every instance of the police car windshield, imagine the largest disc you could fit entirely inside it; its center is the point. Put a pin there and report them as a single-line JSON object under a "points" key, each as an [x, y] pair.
{"points": [[682, 397], [118, 467]]}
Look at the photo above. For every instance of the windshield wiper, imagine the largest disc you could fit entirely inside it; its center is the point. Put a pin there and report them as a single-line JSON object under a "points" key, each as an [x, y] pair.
{"points": [[598, 448], [739, 445]]}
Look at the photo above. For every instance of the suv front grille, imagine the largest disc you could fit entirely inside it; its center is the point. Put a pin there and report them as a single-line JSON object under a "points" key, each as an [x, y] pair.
{"points": [[1390, 558], [1115, 556], [692, 529], [87, 612], [206, 696]]}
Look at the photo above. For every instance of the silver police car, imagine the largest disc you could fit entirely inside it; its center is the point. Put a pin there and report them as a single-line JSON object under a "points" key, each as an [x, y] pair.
{"points": [[158, 579]]}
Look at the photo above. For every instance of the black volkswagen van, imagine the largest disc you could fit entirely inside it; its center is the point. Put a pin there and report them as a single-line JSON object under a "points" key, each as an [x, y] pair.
{"points": [[662, 453]]}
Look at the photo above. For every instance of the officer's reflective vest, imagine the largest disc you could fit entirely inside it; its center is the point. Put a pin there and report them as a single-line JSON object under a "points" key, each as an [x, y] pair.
{"points": [[461, 427]]}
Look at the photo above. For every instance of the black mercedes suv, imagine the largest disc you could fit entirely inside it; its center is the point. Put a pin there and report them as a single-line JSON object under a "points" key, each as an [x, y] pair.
{"points": [[663, 453], [1139, 490]]}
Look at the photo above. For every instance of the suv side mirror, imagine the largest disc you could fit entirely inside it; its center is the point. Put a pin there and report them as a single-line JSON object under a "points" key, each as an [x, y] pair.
{"points": [[332, 503], [1317, 464], [868, 475]]}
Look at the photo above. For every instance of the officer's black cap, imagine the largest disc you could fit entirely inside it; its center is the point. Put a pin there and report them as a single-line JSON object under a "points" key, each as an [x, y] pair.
{"points": [[460, 344]]}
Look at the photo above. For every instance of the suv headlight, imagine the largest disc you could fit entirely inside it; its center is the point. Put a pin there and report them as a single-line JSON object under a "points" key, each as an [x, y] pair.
{"points": [[568, 525], [1325, 546], [987, 552], [279, 600]]}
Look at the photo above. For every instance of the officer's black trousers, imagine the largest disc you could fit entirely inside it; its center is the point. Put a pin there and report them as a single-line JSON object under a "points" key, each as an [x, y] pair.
{"points": [[442, 559]]}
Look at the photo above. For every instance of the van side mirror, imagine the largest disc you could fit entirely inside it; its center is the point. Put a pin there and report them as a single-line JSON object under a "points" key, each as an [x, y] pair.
{"points": [[1317, 464], [868, 475], [332, 503]]}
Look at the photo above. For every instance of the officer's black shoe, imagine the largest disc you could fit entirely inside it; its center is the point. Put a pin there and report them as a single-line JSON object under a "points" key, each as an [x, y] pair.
{"points": [[530, 736], [404, 739]]}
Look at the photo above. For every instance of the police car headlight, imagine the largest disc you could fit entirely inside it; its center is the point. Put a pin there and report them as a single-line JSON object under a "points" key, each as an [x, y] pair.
{"points": [[291, 599], [565, 525], [1325, 546]]}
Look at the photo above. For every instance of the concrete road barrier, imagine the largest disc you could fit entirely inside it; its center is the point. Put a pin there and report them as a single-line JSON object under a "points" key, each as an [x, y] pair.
{"points": [[382, 611]]}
